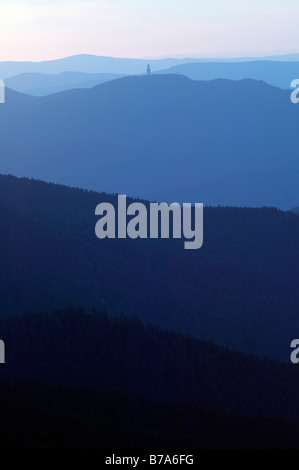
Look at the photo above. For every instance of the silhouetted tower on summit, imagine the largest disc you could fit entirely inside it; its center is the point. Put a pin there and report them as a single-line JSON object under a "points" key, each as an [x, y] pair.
{"points": [[148, 69]]}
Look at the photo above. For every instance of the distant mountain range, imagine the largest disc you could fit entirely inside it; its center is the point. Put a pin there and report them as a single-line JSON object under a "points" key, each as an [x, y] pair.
{"points": [[160, 137], [88, 64], [38, 84], [85, 71], [293, 57], [121, 343], [279, 74], [97, 64]]}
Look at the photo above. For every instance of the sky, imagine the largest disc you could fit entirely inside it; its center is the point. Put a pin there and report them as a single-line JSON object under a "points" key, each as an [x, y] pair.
{"points": [[48, 29]]}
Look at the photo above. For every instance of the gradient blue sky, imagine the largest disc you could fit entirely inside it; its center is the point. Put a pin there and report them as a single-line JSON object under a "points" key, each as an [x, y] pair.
{"points": [[47, 29]]}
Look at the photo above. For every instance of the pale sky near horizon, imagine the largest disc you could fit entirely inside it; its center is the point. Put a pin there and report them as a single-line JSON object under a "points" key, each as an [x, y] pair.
{"points": [[48, 29]]}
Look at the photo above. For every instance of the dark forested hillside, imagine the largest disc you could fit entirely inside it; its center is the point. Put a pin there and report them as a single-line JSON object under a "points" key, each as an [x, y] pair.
{"points": [[58, 417], [240, 289], [93, 351]]}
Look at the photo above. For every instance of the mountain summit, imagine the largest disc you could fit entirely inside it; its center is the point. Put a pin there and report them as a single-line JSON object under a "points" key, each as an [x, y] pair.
{"points": [[160, 137]]}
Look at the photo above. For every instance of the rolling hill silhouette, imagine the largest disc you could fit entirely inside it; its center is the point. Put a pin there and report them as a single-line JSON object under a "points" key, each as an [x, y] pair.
{"points": [[38, 84], [240, 290], [275, 73], [123, 354], [90, 381], [160, 137], [87, 63], [279, 74]]}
